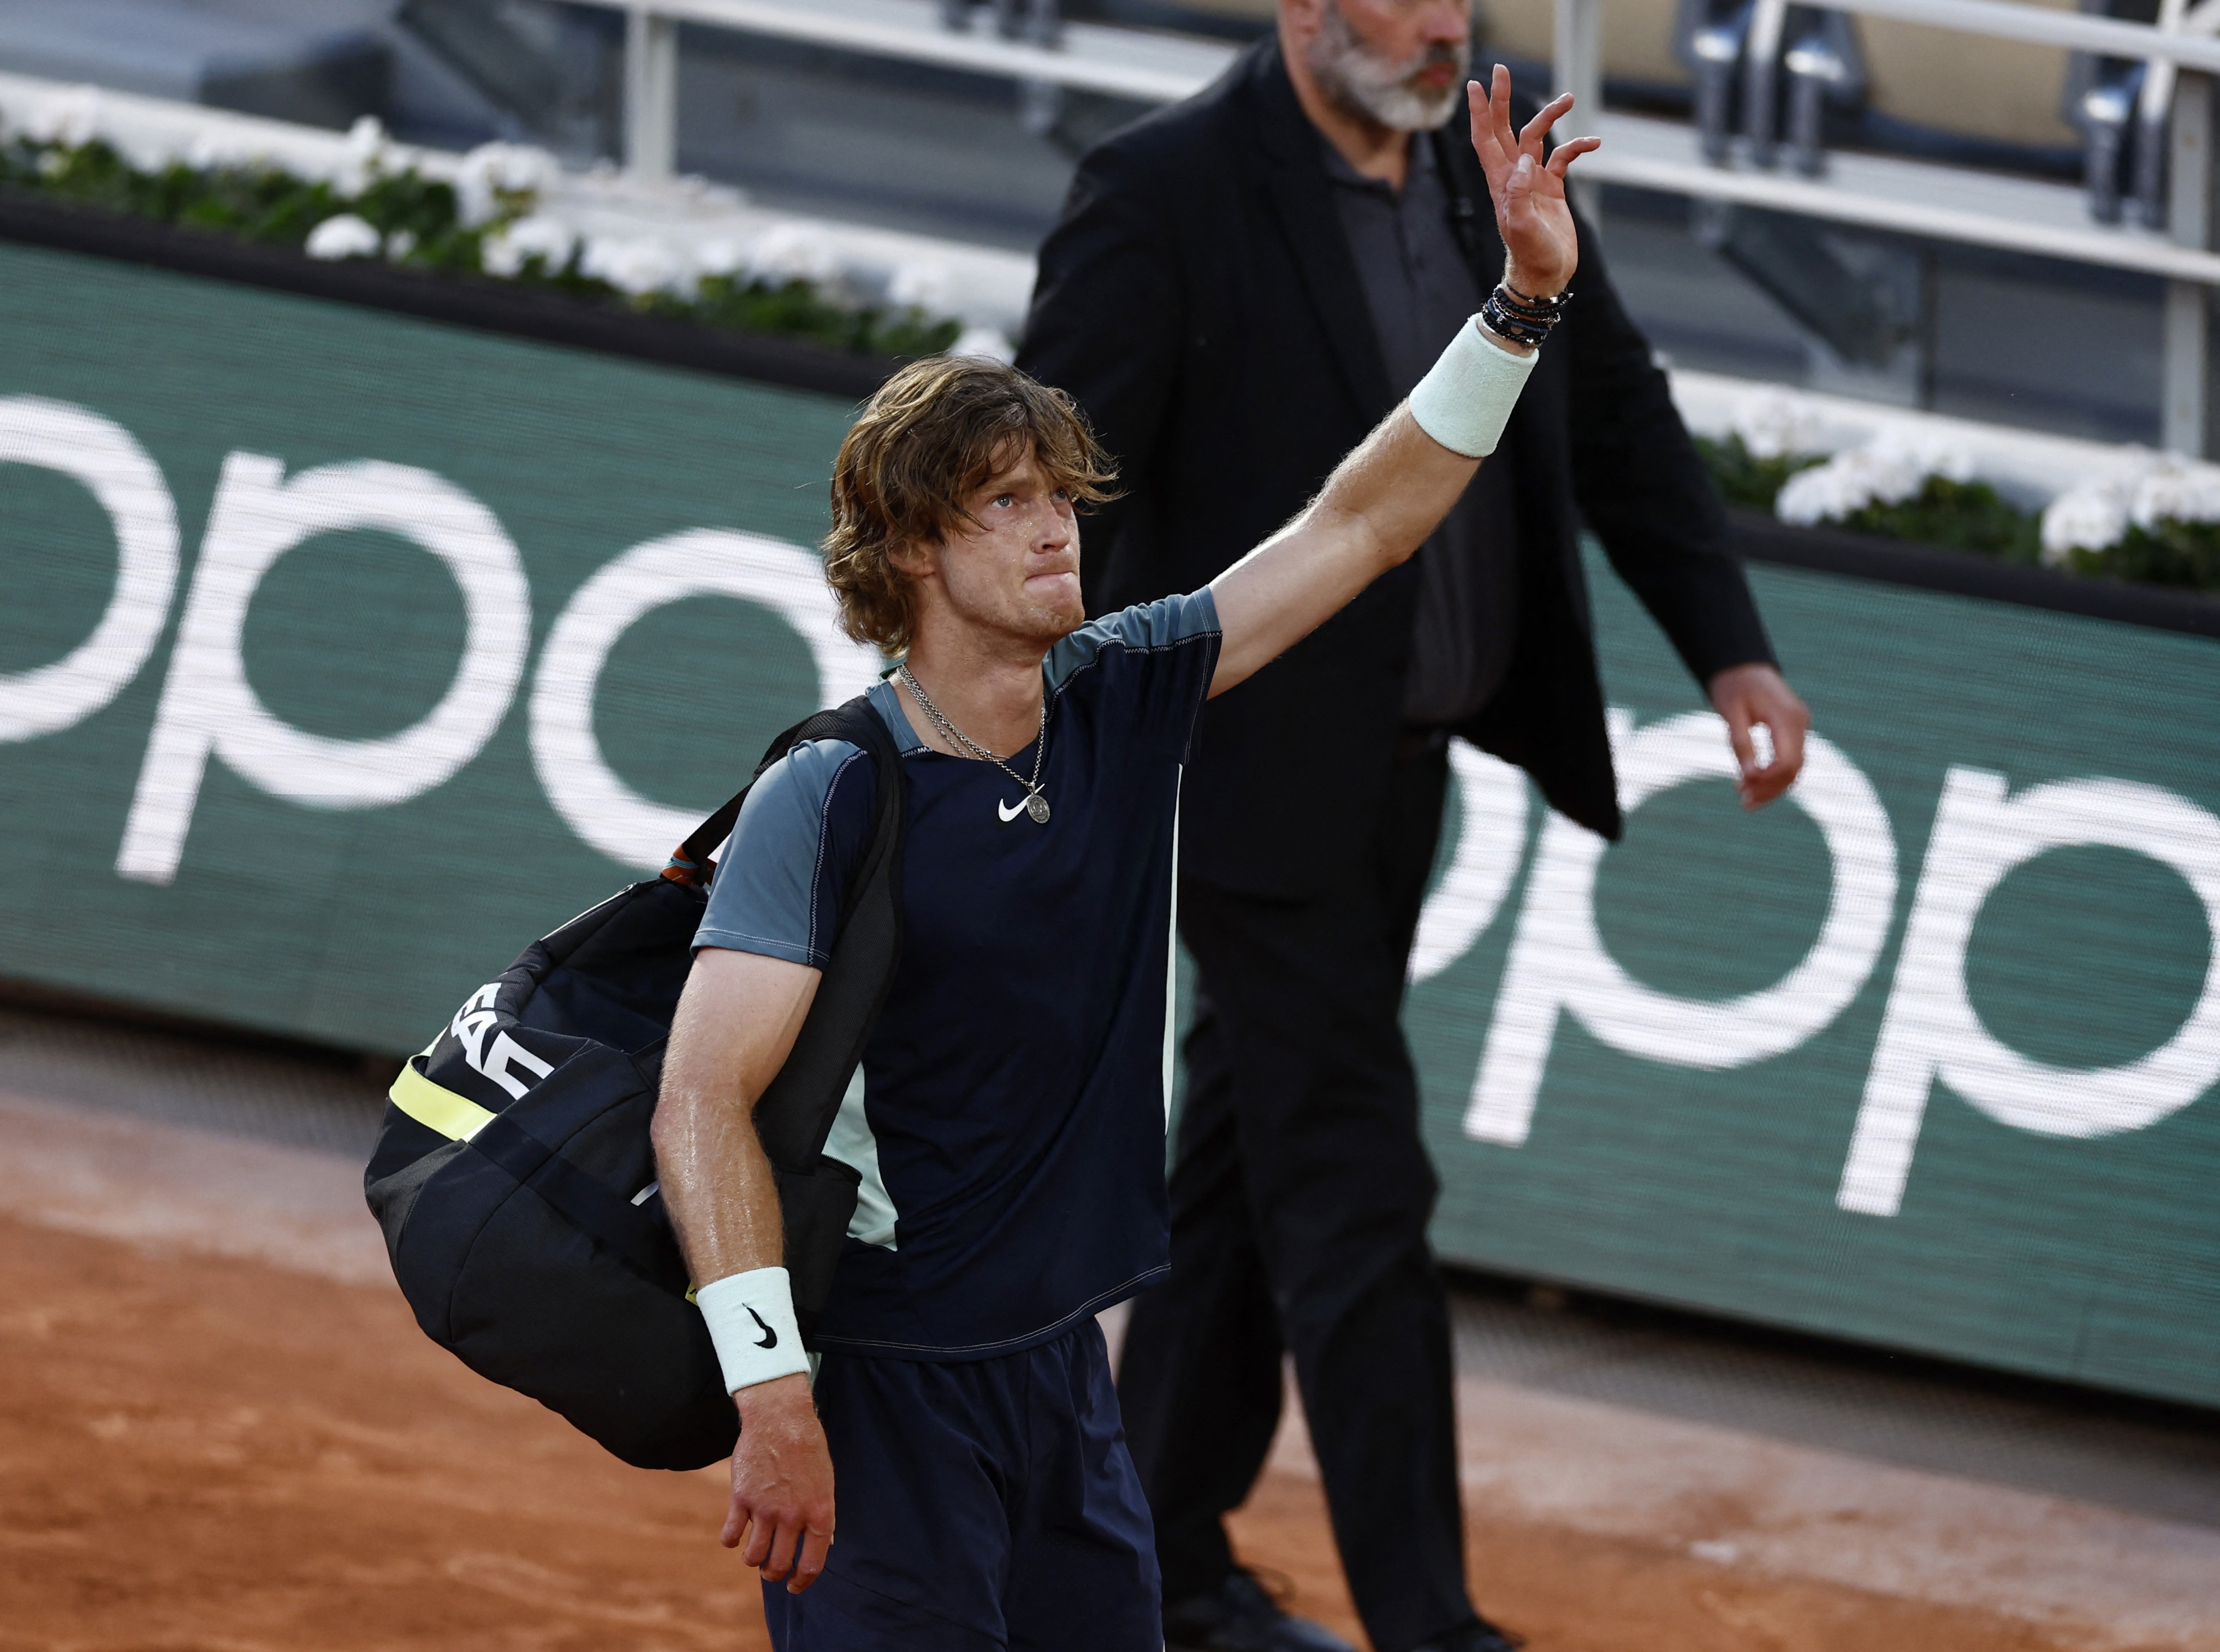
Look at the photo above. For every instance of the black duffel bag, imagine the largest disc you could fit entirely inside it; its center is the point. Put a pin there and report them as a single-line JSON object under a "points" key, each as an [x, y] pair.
{"points": [[513, 1176]]}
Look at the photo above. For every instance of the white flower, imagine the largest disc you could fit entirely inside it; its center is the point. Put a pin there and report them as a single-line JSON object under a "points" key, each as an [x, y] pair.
{"points": [[984, 341], [2171, 491], [344, 236], [722, 256], [367, 152], [366, 141], [400, 244], [1891, 467], [928, 287], [508, 249], [1775, 423], [67, 119], [1919, 454], [495, 177], [795, 252], [2092, 517], [1889, 474], [1845, 485], [1815, 496], [635, 268]]}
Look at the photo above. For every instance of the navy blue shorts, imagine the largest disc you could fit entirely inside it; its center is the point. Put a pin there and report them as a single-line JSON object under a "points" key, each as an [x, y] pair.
{"points": [[982, 1505]]}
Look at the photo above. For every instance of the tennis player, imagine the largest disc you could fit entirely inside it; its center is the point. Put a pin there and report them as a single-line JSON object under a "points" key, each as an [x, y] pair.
{"points": [[1008, 1121]]}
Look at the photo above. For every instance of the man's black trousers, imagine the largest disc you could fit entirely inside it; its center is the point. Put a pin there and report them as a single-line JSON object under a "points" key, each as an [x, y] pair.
{"points": [[1299, 1197]]}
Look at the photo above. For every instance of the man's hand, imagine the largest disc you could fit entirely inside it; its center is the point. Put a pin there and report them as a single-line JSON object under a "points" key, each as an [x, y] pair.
{"points": [[1529, 190], [782, 1484], [1747, 695]]}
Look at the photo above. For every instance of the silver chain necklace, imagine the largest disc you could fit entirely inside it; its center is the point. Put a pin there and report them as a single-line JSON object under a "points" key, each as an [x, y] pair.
{"points": [[1035, 805]]}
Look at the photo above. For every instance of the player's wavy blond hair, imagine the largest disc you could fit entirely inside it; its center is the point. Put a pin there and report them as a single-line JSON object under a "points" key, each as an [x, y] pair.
{"points": [[932, 435]]}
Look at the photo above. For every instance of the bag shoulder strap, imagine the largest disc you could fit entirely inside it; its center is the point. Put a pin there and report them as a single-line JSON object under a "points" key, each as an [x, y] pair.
{"points": [[853, 721], [794, 1114]]}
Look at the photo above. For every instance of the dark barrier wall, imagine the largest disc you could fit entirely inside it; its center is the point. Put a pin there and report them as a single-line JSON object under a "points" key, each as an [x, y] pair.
{"points": [[343, 653]]}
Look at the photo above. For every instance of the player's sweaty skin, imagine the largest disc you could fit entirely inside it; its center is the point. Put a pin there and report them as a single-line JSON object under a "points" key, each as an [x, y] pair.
{"points": [[992, 598], [724, 1203]]}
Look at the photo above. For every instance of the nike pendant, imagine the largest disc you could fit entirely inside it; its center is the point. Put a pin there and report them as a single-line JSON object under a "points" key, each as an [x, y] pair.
{"points": [[1035, 805]]}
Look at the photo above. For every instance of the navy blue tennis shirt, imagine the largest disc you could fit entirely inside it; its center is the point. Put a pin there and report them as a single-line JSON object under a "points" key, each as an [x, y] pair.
{"points": [[1009, 1119]]}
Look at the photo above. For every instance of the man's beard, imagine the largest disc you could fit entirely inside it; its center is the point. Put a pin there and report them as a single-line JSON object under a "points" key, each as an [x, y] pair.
{"points": [[1363, 84]]}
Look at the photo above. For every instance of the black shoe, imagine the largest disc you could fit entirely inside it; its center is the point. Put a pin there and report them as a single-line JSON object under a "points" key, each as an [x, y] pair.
{"points": [[1238, 1616], [1478, 1635]]}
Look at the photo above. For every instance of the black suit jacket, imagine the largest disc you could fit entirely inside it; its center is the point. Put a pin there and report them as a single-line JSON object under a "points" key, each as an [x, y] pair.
{"points": [[1199, 299]]}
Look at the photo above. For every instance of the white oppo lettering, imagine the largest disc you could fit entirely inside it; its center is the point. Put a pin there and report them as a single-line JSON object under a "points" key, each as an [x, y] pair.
{"points": [[1558, 963], [1931, 1030], [208, 707], [103, 457], [1483, 864], [208, 710], [714, 562]]}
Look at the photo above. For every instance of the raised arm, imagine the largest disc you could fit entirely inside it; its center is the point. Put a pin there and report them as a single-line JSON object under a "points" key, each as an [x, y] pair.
{"points": [[1385, 497], [736, 1023]]}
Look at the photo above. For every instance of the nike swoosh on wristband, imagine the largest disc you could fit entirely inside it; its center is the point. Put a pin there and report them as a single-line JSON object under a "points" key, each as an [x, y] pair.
{"points": [[769, 1337], [1010, 813]]}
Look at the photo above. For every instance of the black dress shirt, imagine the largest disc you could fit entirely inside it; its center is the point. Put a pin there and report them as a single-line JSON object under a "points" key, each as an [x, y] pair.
{"points": [[1419, 290]]}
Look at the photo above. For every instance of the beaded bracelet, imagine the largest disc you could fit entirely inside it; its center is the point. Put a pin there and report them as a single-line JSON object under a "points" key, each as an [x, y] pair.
{"points": [[1519, 301], [1510, 314]]}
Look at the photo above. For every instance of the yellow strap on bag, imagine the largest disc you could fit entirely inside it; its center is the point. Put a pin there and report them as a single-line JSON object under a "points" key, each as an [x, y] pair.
{"points": [[436, 1108], [434, 1105]]}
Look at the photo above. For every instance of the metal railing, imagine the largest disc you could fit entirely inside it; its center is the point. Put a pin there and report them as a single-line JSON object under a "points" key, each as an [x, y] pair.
{"points": [[2165, 116], [1116, 62], [2164, 121]]}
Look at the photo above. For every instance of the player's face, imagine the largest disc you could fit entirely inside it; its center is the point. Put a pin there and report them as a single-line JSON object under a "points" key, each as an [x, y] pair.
{"points": [[1014, 566]]}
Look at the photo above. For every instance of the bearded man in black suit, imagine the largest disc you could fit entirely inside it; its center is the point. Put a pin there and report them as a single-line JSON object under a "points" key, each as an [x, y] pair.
{"points": [[1239, 287]]}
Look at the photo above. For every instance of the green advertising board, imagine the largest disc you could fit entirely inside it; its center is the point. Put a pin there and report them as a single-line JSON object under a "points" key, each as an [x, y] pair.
{"points": [[343, 653]]}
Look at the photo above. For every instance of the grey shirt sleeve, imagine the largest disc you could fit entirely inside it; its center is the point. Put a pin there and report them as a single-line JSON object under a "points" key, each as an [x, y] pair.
{"points": [[778, 885]]}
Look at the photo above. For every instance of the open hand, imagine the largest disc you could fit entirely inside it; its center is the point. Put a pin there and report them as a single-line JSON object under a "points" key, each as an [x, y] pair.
{"points": [[782, 1484], [1528, 190]]}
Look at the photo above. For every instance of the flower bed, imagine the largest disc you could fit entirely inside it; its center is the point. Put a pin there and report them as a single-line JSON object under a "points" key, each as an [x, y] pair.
{"points": [[485, 222], [2151, 520]]}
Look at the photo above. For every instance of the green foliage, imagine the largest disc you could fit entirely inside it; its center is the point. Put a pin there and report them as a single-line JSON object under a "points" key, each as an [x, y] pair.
{"points": [[422, 223], [2170, 552], [796, 309], [1744, 479], [251, 204], [1958, 516]]}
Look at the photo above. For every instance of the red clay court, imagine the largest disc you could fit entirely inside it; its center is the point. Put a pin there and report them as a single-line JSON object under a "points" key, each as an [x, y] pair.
{"points": [[220, 1431]]}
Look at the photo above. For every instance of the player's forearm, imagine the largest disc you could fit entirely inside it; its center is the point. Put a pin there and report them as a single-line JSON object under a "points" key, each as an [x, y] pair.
{"points": [[1382, 500], [717, 1184], [1375, 509], [735, 1023]]}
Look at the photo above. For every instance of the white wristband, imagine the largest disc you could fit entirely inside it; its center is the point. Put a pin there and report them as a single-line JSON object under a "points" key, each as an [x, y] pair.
{"points": [[1466, 397], [750, 1318]]}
